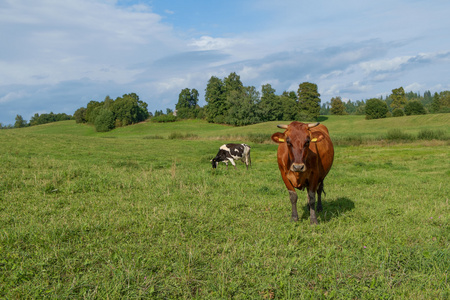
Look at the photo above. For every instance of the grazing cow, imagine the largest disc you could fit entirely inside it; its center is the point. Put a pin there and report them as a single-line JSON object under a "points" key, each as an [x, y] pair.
{"points": [[230, 152], [305, 155]]}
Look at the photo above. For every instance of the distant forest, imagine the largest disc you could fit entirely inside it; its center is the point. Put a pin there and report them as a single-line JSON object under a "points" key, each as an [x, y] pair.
{"points": [[228, 101]]}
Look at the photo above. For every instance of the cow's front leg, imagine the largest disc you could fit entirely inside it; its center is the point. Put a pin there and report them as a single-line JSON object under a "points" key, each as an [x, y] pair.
{"points": [[293, 197], [312, 206], [233, 163]]}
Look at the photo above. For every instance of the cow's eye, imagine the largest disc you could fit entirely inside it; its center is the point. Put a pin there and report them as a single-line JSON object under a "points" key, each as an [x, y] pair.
{"points": [[288, 141]]}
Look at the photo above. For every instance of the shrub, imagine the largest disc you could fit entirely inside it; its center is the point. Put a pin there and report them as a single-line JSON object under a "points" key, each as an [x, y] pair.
{"points": [[153, 137], [180, 136], [398, 112], [354, 140], [258, 137], [414, 108], [398, 135], [428, 134], [164, 118], [104, 121], [376, 109]]}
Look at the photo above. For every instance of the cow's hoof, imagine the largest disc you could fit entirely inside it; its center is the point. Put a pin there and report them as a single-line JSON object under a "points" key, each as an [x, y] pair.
{"points": [[294, 219]]}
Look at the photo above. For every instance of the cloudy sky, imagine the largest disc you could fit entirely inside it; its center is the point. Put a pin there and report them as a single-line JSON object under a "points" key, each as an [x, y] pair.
{"points": [[56, 56]]}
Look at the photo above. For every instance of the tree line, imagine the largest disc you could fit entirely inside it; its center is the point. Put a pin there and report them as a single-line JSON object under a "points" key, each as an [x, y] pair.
{"points": [[396, 104], [228, 101], [37, 119], [109, 114]]}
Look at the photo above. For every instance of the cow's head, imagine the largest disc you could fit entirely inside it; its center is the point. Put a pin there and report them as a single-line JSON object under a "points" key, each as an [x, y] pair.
{"points": [[297, 138], [214, 162]]}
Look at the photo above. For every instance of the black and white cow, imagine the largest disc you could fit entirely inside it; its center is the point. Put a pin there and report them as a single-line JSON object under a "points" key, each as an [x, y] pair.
{"points": [[230, 152]]}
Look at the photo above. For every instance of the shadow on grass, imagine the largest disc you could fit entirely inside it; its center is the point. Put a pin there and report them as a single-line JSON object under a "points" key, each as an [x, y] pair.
{"points": [[331, 209], [322, 118]]}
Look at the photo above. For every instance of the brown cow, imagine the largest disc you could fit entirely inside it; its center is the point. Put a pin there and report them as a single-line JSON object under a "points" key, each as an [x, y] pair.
{"points": [[305, 155]]}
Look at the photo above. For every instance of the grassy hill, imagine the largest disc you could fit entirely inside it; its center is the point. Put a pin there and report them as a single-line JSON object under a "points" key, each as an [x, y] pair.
{"points": [[339, 127], [138, 212]]}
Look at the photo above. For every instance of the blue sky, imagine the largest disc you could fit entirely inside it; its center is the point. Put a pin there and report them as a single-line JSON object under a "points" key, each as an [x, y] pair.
{"points": [[58, 55]]}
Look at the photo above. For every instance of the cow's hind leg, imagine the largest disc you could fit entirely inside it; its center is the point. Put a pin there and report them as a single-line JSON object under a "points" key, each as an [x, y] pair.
{"points": [[293, 197], [312, 205], [319, 197]]}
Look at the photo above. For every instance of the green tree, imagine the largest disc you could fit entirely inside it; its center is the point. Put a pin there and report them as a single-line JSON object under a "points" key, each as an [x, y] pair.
{"points": [[325, 109], [414, 107], [243, 109], [337, 106], [20, 122], [398, 112], [376, 109], [92, 111], [108, 102], [436, 104], [270, 106], [308, 101], [360, 107], [233, 83], [215, 98], [350, 107], [444, 100], [80, 115], [105, 120], [128, 109], [289, 106], [187, 107], [398, 97]]}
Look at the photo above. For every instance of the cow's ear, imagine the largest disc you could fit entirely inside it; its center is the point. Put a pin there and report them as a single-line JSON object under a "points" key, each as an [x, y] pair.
{"points": [[317, 137], [278, 137]]}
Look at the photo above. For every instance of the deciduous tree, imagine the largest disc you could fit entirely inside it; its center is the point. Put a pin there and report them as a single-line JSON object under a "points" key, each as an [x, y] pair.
{"points": [[270, 105], [414, 107], [376, 109], [337, 106], [308, 101], [398, 97], [20, 122], [215, 98]]}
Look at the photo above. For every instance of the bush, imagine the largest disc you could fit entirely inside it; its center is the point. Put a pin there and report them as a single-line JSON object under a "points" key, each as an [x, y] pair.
{"points": [[104, 121], [153, 137], [398, 135], [414, 108], [180, 136], [376, 109], [354, 140], [428, 134], [398, 112], [164, 118], [259, 137]]}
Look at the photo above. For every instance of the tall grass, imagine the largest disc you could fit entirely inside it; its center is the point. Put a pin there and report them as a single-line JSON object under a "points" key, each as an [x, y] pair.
{"points": [[133, 217]]}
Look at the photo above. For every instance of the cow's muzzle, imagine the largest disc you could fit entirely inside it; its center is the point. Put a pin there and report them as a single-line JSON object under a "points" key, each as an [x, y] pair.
{"points": [[298, 168]]}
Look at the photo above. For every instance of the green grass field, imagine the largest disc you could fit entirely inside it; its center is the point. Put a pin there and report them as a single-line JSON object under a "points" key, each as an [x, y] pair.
{"points": [[138, 212]]}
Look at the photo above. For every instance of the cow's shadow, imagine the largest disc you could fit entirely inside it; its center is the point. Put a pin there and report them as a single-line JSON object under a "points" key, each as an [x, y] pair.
{"points": [[331, 209]]}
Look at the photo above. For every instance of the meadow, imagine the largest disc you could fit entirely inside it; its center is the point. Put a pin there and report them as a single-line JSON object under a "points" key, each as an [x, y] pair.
{"points": [[138, 213]]}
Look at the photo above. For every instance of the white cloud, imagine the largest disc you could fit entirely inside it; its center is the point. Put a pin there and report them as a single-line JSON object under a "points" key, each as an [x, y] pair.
{"points": [[13, 96], [414, 87], [210, 43], [385, 65], [61, 54]]}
